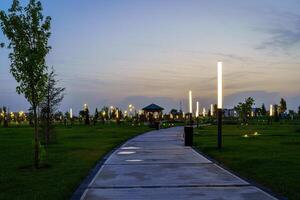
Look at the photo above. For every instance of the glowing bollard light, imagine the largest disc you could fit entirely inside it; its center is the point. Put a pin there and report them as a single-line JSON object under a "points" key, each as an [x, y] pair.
{"points": [[220, 105]]}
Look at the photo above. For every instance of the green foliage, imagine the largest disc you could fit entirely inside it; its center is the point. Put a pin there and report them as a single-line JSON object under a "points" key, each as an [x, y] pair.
{"points": [[263, 110], [5, 118], [86, 116], [276, 116], [49, 106], [244, 109], [28, 32], [96, 116], [215, 110], [282, 106]]}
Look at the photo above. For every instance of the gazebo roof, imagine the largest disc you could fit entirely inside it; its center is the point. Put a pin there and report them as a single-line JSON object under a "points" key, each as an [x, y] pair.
{"points": [[153, 107]]}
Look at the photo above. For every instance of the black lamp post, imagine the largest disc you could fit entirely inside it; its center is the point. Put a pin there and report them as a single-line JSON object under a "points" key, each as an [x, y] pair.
{"points": [[219, 118]]}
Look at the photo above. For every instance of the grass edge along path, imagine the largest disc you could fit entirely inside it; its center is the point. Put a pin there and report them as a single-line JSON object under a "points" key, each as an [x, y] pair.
{"points": [[269, 155], [69, 161]]}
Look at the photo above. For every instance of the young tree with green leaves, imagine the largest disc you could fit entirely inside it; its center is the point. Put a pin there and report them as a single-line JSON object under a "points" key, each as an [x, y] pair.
{"points": [[96, 116], [215, 106], [5, 118], [244, 109], [276, 115], [86, 116], [49, 106], [282, 106], [28, 32], [263, 110]]}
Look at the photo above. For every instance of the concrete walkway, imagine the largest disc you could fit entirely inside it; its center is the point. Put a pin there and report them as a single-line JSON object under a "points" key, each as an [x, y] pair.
{"points": [[157, 165]]}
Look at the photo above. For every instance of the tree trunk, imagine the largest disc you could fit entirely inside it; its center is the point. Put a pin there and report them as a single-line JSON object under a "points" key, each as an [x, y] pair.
{"points": [[36, 139]]}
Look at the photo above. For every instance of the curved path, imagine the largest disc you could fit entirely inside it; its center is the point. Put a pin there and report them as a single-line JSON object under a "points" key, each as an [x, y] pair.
{"points": [[156, 165]]}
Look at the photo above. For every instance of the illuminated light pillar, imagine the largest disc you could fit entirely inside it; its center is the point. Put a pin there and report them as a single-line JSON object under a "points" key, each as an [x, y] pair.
{"points": [[197, 109], [190, 102], [71, 113], [190, 108], [204, 112], [220, 105], [271, 110], [211, 110]]}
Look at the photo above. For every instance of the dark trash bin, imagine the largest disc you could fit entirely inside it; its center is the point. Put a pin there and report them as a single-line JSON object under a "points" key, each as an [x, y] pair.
{"points": [[188, 135], [156, 125]]}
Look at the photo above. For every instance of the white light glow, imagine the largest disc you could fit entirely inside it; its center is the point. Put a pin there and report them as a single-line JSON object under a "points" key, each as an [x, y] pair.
{"points": [[197, 109], [127, 148], [71, 113], [211, 109], [117, 113], [126, 152], [220, 85], [204, 112], [134, 160], [190, 102], [271, 110]]}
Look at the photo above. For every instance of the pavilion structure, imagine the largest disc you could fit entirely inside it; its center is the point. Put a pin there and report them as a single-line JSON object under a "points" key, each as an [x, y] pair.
{"points": [[153, 112]]}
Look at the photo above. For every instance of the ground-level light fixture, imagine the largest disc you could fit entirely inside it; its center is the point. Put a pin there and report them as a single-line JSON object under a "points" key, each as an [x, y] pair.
{"points": [[220, 104]]}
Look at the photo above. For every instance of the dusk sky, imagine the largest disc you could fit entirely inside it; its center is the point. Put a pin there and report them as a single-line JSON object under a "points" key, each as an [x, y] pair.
{"points": [[136, 51]]}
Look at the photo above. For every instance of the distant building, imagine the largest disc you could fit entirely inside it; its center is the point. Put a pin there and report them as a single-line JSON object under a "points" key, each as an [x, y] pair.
{"points": [[153, 112]]}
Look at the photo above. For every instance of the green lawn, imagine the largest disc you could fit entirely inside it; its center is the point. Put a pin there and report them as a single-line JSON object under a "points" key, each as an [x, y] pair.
{"points": [[77, 151], [272, 158]]}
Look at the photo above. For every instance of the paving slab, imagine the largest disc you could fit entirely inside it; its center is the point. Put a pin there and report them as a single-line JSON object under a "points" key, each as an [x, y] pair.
{"points": [[190, 193], [156, 165], [156, 145], [164, 175], [151, 156]]}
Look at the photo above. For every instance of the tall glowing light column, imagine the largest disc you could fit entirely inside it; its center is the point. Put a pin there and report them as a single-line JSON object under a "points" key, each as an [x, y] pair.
{"points": [[190, 102], [71, 113], [220, 104], [211, 110], [271, 110], [204, 112], [197, 109]]}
